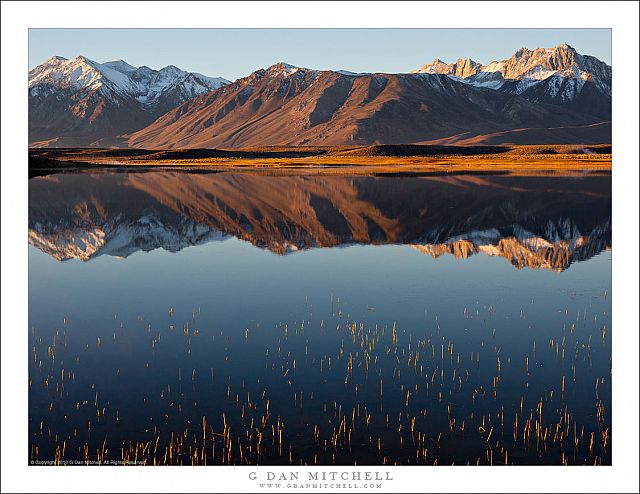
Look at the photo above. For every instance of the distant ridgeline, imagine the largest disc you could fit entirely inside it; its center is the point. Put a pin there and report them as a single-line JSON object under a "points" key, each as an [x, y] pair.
{"points": [[541, 96]]}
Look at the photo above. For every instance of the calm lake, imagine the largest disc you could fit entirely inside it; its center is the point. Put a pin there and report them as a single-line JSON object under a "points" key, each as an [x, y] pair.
{"points": [[221, 318]]}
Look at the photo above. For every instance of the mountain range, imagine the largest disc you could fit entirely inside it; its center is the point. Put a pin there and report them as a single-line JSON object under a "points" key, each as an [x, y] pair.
{"points": [[541, 96], [80, 102], [536, 222], [558, 75]]}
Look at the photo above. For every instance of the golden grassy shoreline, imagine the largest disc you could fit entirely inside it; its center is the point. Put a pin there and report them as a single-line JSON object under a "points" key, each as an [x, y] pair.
{"points": [[365, 160]]}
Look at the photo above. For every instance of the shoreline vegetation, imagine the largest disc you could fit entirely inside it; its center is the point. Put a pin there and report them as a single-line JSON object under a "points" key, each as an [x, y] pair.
{"points": [[342, 160]]}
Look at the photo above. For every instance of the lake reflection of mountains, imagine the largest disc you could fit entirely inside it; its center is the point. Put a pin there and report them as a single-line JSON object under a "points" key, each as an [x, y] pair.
{"points": [[538, 222]]}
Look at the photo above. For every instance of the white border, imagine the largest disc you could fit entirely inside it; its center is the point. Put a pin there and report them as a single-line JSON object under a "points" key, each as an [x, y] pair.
{"points": [[622, 17]]}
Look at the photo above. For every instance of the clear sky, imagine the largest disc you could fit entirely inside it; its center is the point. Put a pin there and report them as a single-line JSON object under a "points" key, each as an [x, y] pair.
{"points": [[234, 53]]}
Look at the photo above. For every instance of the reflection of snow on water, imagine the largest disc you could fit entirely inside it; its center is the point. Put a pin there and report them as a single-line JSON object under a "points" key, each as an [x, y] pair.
{"points": [[250, 355]]}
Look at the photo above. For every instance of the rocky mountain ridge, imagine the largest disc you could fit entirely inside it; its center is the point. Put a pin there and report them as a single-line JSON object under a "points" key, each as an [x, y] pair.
{"points": [[82, 101]]}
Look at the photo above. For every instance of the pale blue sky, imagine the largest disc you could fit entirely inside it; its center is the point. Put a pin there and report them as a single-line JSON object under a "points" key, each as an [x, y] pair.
{"points": [[234, 53]]}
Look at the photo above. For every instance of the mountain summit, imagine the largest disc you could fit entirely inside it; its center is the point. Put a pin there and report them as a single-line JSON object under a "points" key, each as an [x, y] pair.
{"points": [[542, 96], [558, 75], [79, 101], [461, 68], [462, 102]]}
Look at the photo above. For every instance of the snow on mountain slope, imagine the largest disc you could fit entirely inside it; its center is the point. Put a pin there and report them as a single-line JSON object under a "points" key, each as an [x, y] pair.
{"points": [[142, 83], [283, 69], [84, 102], [461, 68], [120, 66], [290, 106], [555, 75]]}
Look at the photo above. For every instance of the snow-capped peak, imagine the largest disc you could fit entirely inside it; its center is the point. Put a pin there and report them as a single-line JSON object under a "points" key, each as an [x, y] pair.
{"points": [[171, 70], [463, 67], [283, 69], [77, 73], [56, 59], [527, 68], [563, 46], [121, 66], [117, 76]]}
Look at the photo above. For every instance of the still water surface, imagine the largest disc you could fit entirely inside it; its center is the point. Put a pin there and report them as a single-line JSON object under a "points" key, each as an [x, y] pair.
{"points": [[242, 319]]}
